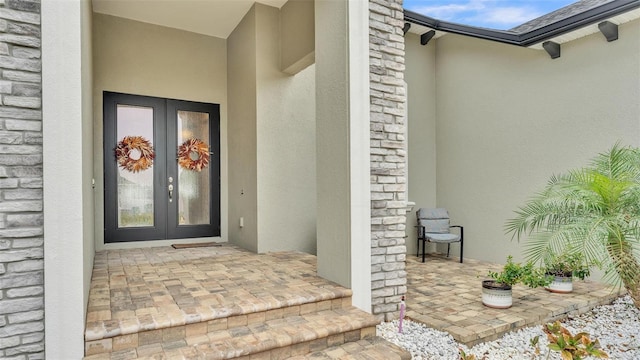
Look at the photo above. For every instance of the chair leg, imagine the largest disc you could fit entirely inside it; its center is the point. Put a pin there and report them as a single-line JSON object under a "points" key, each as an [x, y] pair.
{"points": [[461, 247], [424, 249], [418, 250], [448, 248]]}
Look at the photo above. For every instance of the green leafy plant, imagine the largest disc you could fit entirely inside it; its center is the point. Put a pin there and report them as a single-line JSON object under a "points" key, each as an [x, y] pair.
{"points": [[572, 347], [527, 274], [534, 344], [464, 356], [568, 265], [594, 211]]}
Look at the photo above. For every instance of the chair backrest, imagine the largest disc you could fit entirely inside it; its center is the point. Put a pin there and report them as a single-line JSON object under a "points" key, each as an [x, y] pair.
{"points": [[434, 220]]}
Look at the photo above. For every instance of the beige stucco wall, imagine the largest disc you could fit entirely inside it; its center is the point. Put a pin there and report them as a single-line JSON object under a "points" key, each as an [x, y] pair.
{"points": [[243, 188], [88, 190], [272, 141], [332, 142], [138, 58], [286, 145], [509, 117], [297, 33], [420, 76], [342, 146]]}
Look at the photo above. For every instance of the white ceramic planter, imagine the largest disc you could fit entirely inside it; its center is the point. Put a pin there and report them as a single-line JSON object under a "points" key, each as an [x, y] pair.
{"points": [[561, 285], [495, 297]]}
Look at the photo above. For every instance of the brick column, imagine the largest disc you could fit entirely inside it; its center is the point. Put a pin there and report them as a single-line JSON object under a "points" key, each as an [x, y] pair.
{"points": [[21, 217], [388, 150]]}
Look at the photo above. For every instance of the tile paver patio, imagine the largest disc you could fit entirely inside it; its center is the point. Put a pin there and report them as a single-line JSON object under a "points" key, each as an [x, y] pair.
{"points": [[222, 302], [446, 295], [141, 291], [150, 288]]}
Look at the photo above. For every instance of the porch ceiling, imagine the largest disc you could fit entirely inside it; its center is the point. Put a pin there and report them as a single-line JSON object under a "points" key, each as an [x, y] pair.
{"points": [[209, 17]]}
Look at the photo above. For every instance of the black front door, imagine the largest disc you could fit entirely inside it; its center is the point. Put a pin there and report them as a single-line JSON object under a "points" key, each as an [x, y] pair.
{"points": [[161, 168]]}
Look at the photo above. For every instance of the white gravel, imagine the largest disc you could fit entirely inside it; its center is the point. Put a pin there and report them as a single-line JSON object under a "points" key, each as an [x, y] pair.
{"points": [[616, 326]]}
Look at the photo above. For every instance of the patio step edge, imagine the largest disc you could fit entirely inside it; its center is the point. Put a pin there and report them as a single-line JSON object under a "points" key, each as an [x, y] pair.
{"points": [[370, 348], [96, 330], [295, 335]]}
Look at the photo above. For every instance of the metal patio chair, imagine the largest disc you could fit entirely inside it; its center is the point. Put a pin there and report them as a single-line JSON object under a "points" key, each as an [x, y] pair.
{"points": [[434, 226]]}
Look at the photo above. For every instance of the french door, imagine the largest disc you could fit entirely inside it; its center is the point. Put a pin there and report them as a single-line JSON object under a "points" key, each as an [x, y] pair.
{"points": [[161, 168]]}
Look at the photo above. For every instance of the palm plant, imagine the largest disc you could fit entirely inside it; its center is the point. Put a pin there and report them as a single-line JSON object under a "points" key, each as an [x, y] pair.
{"points": [[593, 211]]}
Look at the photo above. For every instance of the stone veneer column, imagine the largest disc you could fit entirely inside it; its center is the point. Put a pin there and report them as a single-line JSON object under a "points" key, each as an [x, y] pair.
{"points": [[21, 217], [388, 150]]}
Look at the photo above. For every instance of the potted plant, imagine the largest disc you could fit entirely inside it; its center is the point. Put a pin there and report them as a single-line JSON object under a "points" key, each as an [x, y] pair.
{"points": [[497, 292], [564, 268]]}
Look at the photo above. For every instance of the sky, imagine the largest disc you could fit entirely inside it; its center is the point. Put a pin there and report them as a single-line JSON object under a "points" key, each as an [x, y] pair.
{"points": [[493, 14]]}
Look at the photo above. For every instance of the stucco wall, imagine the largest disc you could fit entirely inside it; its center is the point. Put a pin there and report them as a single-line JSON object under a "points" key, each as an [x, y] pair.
{"points": [[342, 146], [297, 33], [88, 190], [332, 142], [243, 188], [509, 117], [420, 76], [272, 141], [286, 145], [143, 59]]}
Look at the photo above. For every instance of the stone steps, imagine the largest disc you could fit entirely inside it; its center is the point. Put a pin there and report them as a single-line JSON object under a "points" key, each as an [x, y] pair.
{"points": [[374, 348], [221, 304], [312, 326], [171, 326], [227, 338], [100, 333]]}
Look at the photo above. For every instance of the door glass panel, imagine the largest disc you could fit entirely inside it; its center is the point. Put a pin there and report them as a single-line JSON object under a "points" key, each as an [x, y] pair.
{"points": [[135, 189], [193, 185]]}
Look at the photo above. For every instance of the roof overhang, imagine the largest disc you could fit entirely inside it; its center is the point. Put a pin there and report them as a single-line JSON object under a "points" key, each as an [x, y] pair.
{"points": [[592, 28], [567, 29], [215, 18]]}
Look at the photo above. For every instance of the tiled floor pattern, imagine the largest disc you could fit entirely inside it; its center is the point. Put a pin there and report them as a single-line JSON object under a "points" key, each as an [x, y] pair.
{"points": [[152, 288], [217, 303], [446, 295], [224, 302], [374, 348]]}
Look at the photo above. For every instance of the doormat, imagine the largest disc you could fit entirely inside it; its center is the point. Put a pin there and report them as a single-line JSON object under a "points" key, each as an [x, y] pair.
{"points": [[194, 245]]}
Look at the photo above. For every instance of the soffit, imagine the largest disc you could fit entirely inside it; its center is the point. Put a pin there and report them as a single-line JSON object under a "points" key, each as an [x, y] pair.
{"points": [[209, 17], [420, 29]]}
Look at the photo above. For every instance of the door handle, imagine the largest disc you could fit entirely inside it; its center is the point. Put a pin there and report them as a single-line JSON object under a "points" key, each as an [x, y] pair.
{"points": [[170, 187]]}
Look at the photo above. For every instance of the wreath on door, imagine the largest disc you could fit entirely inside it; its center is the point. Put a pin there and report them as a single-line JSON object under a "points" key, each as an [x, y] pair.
{"points": [[134, 153], [193, 154]]}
